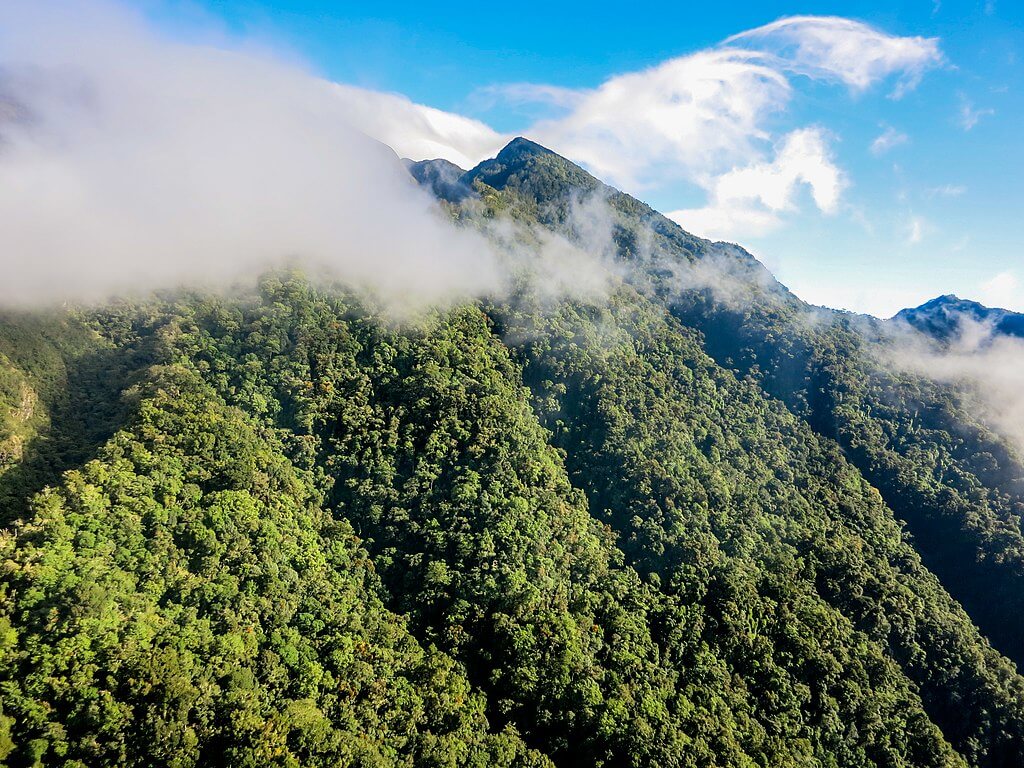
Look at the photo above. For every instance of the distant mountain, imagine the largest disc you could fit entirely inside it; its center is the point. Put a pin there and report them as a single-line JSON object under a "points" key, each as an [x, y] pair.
{"points": [[943, 317], [441, 177]]}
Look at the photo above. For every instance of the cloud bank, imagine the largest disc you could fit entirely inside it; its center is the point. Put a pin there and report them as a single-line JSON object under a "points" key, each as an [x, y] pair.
{"points": [[130, 162], [988, 367]]}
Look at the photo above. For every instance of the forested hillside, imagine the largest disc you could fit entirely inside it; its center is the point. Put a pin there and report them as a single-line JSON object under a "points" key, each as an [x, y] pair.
{"points": [[688, 522], [957, 484]]}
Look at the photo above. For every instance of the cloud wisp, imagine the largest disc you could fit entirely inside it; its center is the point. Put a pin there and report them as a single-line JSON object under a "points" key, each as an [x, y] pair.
{"points": [[969, 116], [888, 139], [417, 131], [753, 197], [844, 50], [1004, 290]]}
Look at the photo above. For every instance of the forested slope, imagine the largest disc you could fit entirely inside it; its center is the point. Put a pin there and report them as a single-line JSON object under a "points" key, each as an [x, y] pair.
{"points": [[273, 527], [957, 484]]}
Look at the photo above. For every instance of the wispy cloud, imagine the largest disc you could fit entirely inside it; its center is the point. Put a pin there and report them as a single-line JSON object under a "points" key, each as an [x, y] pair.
{"points": [[988, 368], [969, 115], [916, 227], [529, 93], [416, 130], [946, 190], [707, 113], [685, 117], [888, 139], [1003, 290], [959, 246], [859, 55]]}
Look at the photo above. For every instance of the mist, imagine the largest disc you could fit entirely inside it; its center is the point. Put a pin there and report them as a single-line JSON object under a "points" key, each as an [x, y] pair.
{"points": [[130, 162], [986, 366]]}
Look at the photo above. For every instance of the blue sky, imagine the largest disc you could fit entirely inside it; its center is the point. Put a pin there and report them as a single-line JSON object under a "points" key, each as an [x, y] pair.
{"points": [[871, 158]]}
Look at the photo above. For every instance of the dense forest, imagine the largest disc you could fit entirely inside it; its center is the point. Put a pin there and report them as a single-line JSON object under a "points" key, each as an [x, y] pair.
{"points": [[689, 522]]}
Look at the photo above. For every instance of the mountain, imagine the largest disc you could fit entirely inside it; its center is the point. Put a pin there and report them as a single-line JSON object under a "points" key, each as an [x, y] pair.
{"points": [[945, 316], [441, 177], [691, 522], [953, 480]]}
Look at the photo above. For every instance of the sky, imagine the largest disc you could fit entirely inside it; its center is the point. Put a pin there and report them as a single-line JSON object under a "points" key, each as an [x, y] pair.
{"points": [[868, 153]]}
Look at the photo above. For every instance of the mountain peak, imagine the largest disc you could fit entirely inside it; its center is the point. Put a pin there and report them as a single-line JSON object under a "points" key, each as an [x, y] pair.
{"points": [[549, 185], [533, 170], [943, 316], [442, 177], [948, 303], [521, 149]]}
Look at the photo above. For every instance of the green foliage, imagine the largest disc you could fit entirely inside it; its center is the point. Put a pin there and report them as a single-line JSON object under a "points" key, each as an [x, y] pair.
{"points": [[60, 386], [957, 484], [753, 523], [183, 600], [271, 528]]}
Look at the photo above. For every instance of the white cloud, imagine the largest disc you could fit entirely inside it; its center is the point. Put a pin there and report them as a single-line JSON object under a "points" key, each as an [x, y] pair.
{"points": [[142, 162], [529, 93], [749, 200], [946, 190], [1003, 290], [888, 139], [969, 116], [708, 112], [830, 47], [916, 227], [418, 131], [687, 116], [960, 245], [987, 367]]}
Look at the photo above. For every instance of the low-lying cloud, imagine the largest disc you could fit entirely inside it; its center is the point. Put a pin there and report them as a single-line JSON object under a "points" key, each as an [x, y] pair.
{"points": [[988, 367], [130, 162]]}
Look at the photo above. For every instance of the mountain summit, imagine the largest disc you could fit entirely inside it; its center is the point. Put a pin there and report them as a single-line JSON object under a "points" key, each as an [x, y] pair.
{"points": [[944, 317], [442, 177]]}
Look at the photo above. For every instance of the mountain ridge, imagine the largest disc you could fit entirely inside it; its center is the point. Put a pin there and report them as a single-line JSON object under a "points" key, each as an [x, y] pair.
{"points": [[692, 521], [813, 360], [944, 317]]}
